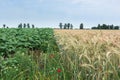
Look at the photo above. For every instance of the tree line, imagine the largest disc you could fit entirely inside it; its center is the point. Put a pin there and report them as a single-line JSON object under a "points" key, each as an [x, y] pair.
{"points": [[69, 26], [26, 25], [105, 26], [22, 25], [81, 26]]}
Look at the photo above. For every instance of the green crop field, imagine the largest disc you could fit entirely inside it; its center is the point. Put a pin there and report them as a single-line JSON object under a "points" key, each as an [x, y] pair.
{"points": [[48, 54], [20, 48]]}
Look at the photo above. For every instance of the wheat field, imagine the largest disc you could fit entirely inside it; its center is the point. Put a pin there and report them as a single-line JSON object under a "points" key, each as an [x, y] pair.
{"points": [[90, 54]]}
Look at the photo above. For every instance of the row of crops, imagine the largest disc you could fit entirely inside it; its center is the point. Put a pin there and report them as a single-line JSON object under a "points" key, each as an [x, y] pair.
{"points": [[22, 52], [33, 54], [90, 54], [13, 40]]}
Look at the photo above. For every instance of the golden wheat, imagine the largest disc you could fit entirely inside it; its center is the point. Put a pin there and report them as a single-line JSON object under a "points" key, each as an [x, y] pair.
{"points": [[95, 54]]}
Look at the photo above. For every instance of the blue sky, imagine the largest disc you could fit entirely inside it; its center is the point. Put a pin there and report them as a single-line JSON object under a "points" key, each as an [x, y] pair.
{"points": [[48, 13]]}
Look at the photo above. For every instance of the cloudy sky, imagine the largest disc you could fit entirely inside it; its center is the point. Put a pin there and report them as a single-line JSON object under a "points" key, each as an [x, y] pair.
{"points": [[48, 13]]}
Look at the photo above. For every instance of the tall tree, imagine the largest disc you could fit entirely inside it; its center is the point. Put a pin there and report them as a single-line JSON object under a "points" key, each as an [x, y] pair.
{"points": [[20, 25], [111, 26], [68, 25], [4, 25], [28, 25], [108, 26], [81, 26], [24, 25], [65, 26], [71, 26], [104, 26], [99, 27], [60, 25], [33, 26]]}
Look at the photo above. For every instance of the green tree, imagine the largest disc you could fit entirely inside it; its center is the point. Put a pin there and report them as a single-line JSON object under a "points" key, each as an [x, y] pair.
{"points": [[71, 26], [65, 26], [24, 25], [104, 26], [4, 25], [108, 26], [99, 26], [28, 25], [60, 25], [116, 27], [111, 26], [94, 28], [68, 25], [81, 26], [33, 26], [20, 25]]}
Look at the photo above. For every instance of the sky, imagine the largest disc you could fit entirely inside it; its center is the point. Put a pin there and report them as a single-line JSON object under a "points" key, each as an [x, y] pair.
{"points": [[49, 13]]}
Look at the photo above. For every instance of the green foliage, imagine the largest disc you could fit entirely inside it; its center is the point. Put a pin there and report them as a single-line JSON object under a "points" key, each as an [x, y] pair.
{"points": [[67, 26], [60, 25], [13, 40], [20, 25], [71, 26], [116, 27], [20, 66], [4, 25], [28, 25], [22, 54], [33, 26], [104, 26], [24, 25], [81, 26]]}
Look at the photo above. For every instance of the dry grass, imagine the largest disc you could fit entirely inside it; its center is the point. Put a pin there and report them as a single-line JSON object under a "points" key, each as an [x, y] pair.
{"points": [[90, 54]]}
